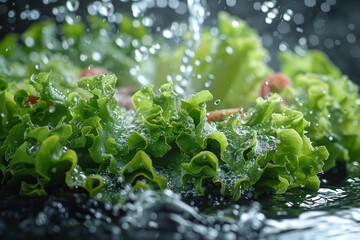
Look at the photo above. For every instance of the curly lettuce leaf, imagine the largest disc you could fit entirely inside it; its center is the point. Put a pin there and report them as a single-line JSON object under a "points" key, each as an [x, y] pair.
{"points": [[141, 167], [329, 101], [167, 143], [202, 166], [270, 153], [37, 150]]}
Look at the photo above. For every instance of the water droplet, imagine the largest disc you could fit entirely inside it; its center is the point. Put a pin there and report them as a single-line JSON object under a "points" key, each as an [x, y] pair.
{"points": [[72, 5], [310, 3], [179, 89], [229, 50], [283, 27], [271, 15], [268, 20], [325, 7], [29, 42], [142, 80], [217, 101], [96, 56], [231, 3], [52, 109], [351, 38], [41, 219], [107, 9], [314, 40], [264, 8], [83, 57], [282, 47], [207, 84]]}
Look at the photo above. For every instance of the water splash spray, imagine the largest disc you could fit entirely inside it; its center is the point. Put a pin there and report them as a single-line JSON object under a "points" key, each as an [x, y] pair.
{"points": [[197, 15]]}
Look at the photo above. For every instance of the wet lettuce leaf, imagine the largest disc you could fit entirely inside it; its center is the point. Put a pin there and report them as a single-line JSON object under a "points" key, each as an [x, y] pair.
{"points": [[329, 101], [82, 141], [269, 152], [92, 42], [313, 61], [72, 135]]}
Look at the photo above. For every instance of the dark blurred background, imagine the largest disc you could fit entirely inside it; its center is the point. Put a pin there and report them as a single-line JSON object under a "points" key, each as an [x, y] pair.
{"points": [[332, 26]]}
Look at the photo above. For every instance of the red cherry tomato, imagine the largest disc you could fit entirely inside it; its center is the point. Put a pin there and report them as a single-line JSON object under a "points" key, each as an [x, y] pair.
{"points": [[274, 83], [93, 71], [33, 99], [222, 114]]}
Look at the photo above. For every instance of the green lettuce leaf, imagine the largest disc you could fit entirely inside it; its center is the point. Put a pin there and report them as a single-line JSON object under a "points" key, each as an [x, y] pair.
{"points": [[202, 166], [312, 61], [268, 151], [329, 101], [141, 167], [166, 143], [73, 136]]}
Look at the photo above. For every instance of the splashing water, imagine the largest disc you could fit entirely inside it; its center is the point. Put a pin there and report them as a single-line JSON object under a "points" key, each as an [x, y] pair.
{"points": [[147, 214], [165, 215], [197, 9], [197, 14], [139, 8]]}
